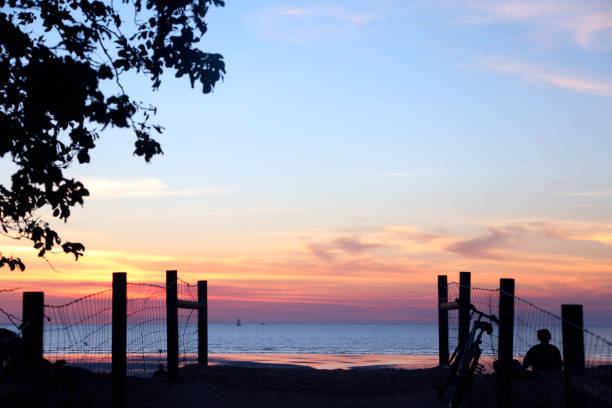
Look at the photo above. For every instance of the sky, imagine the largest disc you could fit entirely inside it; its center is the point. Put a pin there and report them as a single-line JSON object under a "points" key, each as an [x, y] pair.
{"points": [[354, 151]]}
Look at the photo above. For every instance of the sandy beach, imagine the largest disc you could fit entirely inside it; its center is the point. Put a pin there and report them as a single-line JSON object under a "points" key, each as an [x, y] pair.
{"points": [[325, 361], [244, 385]]}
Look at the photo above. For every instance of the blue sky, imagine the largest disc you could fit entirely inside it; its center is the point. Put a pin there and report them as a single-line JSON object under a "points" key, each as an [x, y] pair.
{"points": [[427, 137], [326, 102]]}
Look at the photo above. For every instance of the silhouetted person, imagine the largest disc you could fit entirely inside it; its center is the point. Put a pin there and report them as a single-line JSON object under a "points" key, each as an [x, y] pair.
{"points": [[160, 371], [543, 356]]}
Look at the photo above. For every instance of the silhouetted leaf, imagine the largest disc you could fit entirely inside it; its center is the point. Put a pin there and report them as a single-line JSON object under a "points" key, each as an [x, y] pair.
{"points": [[53, 105]]}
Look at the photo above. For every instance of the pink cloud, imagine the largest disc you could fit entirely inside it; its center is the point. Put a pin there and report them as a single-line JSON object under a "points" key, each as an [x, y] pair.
{"points": [[347, 245], [370, 276], [484, 247], [353, 245], [586, 22], [321, 251], [314, 22], [538, 75]]}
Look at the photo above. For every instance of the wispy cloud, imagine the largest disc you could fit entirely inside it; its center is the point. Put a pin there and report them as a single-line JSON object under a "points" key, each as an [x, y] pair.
{"points": [[586, 22], [375, 268], [588, 194], [509, 236], [536, 74], [333, 12], [353, 245], [413, 234], [108, 189], [574, 231], [321, 251], [484, 247], [394, 174], [314, 22], [347, 245]]}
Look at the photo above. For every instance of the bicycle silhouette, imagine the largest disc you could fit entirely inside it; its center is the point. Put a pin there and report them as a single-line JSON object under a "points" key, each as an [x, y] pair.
{"points": [[464, 361]]}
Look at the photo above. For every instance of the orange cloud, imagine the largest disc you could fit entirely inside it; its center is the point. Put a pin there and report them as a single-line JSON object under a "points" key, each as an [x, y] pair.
{"points": [[348, 245], [483, 247], [388, 272]]}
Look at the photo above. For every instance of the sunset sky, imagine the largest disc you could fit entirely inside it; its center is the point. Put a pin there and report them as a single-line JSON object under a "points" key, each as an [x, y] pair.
{"points": [[356, 150]]}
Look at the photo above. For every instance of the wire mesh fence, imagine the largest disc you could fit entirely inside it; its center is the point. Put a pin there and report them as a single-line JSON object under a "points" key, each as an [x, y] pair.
{"points": [[590, 386], [188, 324], [597, 381], [80, 332], [146, 328], [487, 301], [7, 319]]}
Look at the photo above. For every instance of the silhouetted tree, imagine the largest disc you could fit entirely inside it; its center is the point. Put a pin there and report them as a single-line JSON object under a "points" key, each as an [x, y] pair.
{"points": [[58, 59]]}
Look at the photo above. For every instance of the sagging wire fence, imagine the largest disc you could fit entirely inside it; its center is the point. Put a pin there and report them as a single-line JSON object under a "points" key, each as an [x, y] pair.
{"points": [[485, 300], [14, 322], [584, 360], [80, 332], [188, 329]]}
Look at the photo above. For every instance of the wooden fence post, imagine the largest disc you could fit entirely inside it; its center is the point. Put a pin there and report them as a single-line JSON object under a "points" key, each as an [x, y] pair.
{"points": [[506, 320], [442, 320], [119, 339], [203, 323], [32, 318], [464, 313], [506, 341], [172, 324], [573, 349]]}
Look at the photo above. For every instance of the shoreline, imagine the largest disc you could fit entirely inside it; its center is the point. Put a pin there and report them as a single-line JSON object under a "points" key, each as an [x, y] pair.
{"points": [[221, 386], [143, 366], [326, 361], [266, 385]]}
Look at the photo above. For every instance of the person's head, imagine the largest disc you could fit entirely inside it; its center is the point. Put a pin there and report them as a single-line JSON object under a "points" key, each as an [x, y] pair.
{"points": [[544, 336]]}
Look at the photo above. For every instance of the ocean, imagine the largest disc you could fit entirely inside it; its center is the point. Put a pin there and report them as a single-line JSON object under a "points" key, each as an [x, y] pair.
{"points": [[315, 345], [406, 339]]}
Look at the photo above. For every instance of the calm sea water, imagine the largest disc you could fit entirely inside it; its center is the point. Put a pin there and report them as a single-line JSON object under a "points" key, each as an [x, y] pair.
{"points": [[316, 345], [368, 339], [411, 339]]}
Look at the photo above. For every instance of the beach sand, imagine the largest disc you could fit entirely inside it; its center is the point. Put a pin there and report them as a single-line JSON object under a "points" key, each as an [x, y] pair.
{"points": [[244, 385], [324, 361]]}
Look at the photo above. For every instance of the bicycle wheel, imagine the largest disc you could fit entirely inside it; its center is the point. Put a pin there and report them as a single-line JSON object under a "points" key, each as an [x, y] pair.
{"points": [[453, 365], [462, 380]]}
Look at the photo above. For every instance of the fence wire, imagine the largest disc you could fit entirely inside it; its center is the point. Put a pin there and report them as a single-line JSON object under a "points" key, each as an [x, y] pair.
{"points": [[146, 328], [529, 388], [487, 301], [6, 318], [188, 324], [591, 387], [80, 332]]}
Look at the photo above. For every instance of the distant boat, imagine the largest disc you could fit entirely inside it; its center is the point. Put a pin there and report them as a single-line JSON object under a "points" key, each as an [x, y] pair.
{"points": [[238, 322]]}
